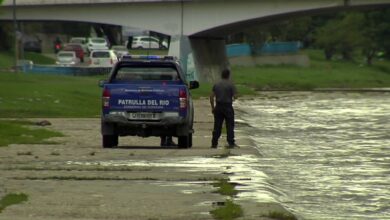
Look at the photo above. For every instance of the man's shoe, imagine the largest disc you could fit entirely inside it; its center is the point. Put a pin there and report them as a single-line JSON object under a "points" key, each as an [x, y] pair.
{"points": [[232, 146], [213, 146], [171, 144]]}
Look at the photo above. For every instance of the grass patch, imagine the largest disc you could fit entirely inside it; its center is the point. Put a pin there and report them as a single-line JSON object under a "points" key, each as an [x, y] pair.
{"points": [[12, 199], [227, 212], [7, 59], [320, 74], [281, 216], [38, 58], [16, 132], [44, 95], [205, 88], [48, 96], [225, 188]]}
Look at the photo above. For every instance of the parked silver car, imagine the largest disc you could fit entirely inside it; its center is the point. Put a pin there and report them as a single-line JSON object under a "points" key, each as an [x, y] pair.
{"points": [[67, 58], [102, 58]]}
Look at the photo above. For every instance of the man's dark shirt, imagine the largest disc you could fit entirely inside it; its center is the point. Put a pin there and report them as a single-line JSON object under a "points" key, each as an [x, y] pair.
{"points": [[224, 91]]}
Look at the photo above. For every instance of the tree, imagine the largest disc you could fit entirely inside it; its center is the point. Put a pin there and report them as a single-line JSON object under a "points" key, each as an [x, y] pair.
{"points": [[328, 41], [344, 34], [376, 33]]}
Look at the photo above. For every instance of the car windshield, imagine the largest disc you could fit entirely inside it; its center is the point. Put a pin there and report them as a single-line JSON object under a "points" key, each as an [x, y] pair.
{"points": [[98, 40], [65, 55], [80, 41], [147, 73], [101, 54]]}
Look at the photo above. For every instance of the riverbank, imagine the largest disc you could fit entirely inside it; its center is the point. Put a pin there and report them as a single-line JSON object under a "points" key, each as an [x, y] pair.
{"points": [[77, 179]]}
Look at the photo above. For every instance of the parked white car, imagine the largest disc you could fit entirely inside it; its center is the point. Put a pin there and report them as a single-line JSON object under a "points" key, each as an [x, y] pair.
{"points": [[148, 42], [97, 43], [80, 40], [102, 58], [67, 58]]}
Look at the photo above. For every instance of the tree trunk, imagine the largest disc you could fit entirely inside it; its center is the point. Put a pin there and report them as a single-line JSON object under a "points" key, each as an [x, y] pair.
{"points": [[328, 54]]}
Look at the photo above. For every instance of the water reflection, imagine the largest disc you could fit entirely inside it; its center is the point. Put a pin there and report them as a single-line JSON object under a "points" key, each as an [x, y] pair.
{"points": [[328, 151], [244, 170]]}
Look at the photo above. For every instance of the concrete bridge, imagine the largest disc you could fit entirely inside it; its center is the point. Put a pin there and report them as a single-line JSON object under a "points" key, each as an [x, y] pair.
{"points": [[197, 26]]}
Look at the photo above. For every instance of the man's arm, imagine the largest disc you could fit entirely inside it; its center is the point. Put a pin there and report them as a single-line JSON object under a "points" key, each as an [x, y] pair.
{"points": [[235, 96], [212, 95]]}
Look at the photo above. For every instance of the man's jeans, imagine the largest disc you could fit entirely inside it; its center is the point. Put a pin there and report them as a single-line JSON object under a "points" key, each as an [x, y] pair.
{"points": [[223, 112]]}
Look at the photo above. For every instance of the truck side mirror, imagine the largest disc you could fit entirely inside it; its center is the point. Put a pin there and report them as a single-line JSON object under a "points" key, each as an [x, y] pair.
{"points": [[194, 84], [102, 82]]}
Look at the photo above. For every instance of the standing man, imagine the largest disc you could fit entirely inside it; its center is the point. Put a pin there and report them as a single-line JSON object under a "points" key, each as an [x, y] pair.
{"points": [[224, 92]]}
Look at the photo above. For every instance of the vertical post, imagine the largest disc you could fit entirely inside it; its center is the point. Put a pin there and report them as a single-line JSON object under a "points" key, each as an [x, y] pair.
{"points": [[16, 37]]}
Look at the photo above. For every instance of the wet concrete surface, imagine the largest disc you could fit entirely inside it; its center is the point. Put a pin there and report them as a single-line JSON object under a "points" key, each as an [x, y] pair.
{"points": [[78, 179]]}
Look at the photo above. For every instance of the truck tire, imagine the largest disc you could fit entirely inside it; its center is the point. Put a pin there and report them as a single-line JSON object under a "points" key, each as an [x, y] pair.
{"points": [[184, 141], [110, 141], [189, 140]]}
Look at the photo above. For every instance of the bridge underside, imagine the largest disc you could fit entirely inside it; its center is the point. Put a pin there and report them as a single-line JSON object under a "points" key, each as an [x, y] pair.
{"points": [[197, 26]]}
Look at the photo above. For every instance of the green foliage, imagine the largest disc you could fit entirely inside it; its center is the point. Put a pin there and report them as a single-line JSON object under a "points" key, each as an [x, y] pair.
{"points": [[12, 199], [343, 34], [227, 212], [355, 31], [225, 188], [16, 132]]}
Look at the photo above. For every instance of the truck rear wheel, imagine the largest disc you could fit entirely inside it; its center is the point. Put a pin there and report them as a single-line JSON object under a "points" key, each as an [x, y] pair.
{"points": [[189, 140], [110, 141], [185, 141]]}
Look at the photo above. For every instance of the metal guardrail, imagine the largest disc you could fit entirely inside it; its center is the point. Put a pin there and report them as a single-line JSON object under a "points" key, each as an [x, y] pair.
{"points": [[273, 48]]}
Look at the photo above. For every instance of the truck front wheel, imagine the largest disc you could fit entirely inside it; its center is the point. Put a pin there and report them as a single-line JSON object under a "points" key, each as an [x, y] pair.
{"points": [[110, 141]]}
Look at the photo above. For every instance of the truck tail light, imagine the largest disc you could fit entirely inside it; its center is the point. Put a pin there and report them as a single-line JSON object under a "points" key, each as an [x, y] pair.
{"points": [[106, 98], [183, 98]]}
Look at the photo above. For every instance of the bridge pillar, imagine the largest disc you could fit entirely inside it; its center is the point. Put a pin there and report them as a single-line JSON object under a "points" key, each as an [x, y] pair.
{"points": [[202, 59], [210, 57], [180, 47]]}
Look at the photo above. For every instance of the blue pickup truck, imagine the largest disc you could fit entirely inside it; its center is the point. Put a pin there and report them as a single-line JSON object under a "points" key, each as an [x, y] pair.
{"points": [[147, 96]]}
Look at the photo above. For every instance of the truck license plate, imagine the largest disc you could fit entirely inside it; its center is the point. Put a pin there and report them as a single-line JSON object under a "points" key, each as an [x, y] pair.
{"points": [[143, 116]]}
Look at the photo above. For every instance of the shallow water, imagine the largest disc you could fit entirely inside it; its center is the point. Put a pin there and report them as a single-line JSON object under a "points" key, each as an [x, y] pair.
{"points": [[328, 152]]}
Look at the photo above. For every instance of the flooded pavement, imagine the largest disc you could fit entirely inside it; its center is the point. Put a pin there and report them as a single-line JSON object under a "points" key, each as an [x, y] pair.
{"points": [[321, 155], [329, 153], [243, 170]]}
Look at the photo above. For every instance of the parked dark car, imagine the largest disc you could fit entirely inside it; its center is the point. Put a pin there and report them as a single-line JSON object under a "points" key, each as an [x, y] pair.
{"points": [[76, 48], [32, 46]]}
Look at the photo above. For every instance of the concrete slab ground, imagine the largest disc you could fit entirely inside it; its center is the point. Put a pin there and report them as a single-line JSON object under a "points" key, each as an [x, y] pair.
{"points": [[77, 179]]}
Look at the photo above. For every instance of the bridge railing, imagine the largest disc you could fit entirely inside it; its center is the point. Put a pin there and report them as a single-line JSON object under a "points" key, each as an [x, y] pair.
{"points": [[272, 48], [65, 70]]}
